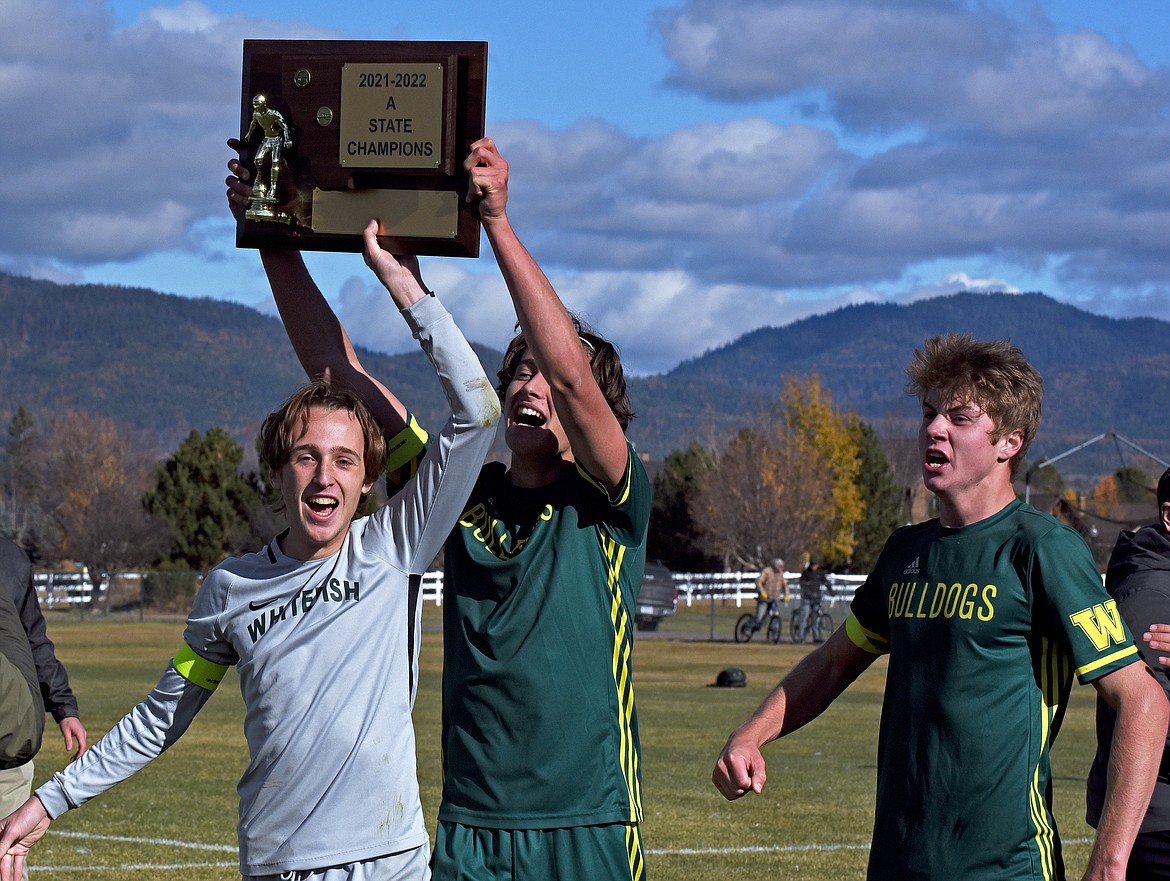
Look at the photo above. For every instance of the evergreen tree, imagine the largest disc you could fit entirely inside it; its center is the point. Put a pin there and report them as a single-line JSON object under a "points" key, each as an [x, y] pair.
{"points": [[22, 505], [885, 507], [1134, 485], [1044, 478], [200, 493], [673, 537]]}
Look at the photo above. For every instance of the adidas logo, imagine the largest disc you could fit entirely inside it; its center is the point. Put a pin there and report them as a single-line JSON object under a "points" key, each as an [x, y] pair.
{"points": [[912, 569]]}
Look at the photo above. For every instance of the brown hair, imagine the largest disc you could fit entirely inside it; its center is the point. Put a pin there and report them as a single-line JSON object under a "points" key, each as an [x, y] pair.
{"points": [[287, 424], [1164, 488], [604, 361], [992, 374]]}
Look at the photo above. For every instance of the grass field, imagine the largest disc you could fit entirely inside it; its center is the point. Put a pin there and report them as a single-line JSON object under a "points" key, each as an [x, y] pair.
{"points": [[176, 819]]}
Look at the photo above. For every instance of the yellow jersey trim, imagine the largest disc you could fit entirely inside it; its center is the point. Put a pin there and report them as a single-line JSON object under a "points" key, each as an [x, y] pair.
{"points": [[624, 487], [1125, 652], [628, 751], [198, 671], [1053, 669]]}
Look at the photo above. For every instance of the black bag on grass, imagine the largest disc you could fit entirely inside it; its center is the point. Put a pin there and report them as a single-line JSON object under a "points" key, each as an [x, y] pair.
{"points": [[732, 677]]}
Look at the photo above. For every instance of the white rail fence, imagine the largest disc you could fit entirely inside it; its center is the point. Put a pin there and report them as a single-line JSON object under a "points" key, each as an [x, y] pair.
{"points": [[76, 589], [55, 589], [740, 587]]}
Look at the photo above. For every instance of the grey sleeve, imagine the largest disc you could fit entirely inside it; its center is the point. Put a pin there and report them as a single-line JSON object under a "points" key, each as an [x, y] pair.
{"points": [[143, 734], [422, 514]]}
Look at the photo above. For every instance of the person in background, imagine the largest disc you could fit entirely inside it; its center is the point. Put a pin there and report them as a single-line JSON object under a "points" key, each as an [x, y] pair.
{"points": [[1138, 580], [22, 723], [985, 613], [771, 588], [16, 581], [812, 593]]}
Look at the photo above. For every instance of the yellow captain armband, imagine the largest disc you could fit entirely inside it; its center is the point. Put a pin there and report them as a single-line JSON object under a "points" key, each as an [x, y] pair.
{"points": [[406, 447], [197, 670], [866, 640]]}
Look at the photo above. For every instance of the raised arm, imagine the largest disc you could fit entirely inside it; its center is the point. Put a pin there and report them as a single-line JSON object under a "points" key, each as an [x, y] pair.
{"points": [[800, 697], [321, 343], [426, 511], [595, 436], [1134, 757]]}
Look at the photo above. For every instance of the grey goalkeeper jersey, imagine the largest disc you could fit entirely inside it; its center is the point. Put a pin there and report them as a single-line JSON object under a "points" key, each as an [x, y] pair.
{"points": [[327, 657]]}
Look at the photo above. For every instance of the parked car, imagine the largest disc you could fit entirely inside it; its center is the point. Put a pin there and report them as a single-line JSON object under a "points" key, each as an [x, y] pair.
{"points": [[657, 598]]}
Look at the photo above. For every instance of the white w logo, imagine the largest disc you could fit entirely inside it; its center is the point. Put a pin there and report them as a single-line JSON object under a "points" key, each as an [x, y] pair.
{"points": [[1102, 624]]}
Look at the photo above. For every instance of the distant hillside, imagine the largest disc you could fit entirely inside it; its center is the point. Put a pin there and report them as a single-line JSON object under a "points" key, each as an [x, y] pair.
{"points": [[162, 365], [1101, 374]]}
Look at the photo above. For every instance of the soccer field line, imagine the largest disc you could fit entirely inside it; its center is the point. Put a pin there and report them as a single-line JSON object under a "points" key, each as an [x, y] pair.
{"points": [[783, 848], [227, 848], [169, 842], [142, 867], [750, 848], [136, 867]]}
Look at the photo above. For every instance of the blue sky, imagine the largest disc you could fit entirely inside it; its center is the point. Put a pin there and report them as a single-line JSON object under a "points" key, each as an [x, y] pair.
{"points": [[685, 172]]}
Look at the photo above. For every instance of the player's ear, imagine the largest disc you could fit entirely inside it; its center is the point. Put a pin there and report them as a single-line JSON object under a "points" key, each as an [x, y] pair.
{"points": [[1010, 444], [1166, 516]]}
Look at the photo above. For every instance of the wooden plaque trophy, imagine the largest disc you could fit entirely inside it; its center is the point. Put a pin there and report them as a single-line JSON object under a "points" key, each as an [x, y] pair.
{"points": [[337, 132]]}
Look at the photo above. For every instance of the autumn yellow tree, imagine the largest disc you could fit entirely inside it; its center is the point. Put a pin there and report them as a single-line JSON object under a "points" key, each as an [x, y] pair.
{"points": [[786, 489], [1105, 497], [810, 418]]}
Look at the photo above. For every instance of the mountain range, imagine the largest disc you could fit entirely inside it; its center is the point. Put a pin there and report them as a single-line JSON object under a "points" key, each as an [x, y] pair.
{"points": [[162, 365]]}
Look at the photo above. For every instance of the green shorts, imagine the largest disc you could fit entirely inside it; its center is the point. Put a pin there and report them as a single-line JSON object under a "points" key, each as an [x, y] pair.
{"points": [[612, 852]]}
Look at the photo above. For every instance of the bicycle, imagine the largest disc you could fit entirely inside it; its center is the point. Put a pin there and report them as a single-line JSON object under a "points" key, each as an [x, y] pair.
{"points": [[747, 625], [820, 627]]}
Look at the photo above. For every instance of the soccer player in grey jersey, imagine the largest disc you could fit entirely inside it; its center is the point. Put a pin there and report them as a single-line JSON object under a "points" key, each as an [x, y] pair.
{"points": [[541, 757], [322, 626]]}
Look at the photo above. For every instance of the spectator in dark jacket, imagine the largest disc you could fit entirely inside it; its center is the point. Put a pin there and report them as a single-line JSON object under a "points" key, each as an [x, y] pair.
{"points": [[49, 679], [23, 718], [1138, 578]]}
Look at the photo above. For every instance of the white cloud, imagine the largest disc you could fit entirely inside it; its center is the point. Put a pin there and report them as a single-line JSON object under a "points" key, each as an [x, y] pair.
{"points": [[638, 312], [740, 162], [745, 49], [946, 64], [755, 203], [953, 283], [1002, 143], [115, 142], [479, 303], [189, 17]]}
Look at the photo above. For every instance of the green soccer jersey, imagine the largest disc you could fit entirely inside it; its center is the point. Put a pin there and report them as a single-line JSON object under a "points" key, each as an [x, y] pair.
{"points": [[985, 626], [539, 725]]}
